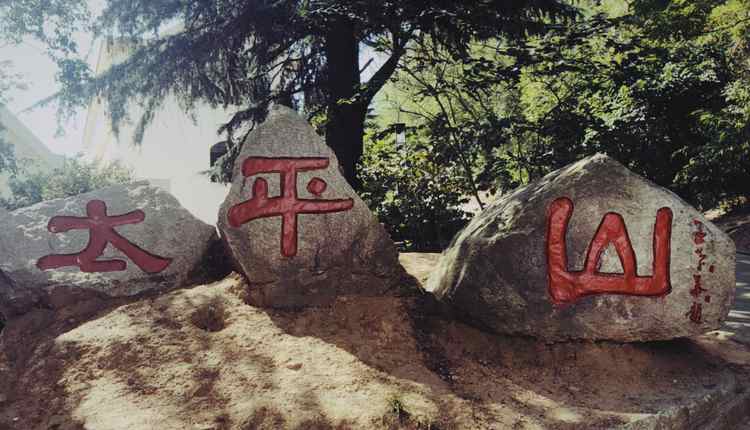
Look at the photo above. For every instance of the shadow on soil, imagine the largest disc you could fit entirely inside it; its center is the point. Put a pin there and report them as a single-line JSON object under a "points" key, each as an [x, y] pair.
{"points": [[563, 386], [568, 385]]}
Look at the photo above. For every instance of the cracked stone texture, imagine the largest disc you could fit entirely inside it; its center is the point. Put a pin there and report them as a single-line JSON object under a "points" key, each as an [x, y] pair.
{"points": [[169, 231], [340, 253], [495, 272]]}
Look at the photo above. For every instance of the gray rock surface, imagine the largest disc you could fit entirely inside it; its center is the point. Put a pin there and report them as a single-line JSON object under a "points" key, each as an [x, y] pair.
{"points": [[343, 252], [167, 231], [496, 272]]}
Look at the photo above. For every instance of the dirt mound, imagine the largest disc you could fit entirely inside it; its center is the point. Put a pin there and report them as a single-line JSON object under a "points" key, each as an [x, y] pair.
{"points": [[203, 359]]}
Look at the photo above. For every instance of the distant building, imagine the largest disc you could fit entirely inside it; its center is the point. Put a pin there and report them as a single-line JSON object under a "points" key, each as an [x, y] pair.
{"points": [[176, 147], [27, 147]]}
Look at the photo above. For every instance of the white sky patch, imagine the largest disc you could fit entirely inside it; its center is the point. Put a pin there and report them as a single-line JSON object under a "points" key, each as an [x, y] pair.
{"points": [[38, 72]]}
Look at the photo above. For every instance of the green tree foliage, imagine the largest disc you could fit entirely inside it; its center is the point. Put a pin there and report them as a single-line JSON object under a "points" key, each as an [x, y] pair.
{"points": [[7, 154], [8, 81], [660, 89], [76, 176], [464, 106], [662, 86], [247, 54], [411, 191], [455, 126]]}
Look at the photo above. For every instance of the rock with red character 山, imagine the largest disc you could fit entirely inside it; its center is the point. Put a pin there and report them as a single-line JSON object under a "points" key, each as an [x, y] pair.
{"points": [[117, 241], [590, 251], [293, 225]]}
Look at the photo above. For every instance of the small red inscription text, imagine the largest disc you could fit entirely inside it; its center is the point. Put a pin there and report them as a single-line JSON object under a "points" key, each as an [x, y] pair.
{"points": [[695, 314]]}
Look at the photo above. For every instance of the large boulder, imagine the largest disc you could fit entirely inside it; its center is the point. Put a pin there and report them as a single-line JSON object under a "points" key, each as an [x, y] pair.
{"points": [[137, 238], [590, 251], [293, 225]]}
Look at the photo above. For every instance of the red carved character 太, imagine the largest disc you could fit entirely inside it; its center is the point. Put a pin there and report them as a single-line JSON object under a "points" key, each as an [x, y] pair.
{"points": [[101, 232]]}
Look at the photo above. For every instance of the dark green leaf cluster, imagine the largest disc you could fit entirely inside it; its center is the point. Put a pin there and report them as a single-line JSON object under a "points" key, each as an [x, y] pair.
{"points": [[658, 89], [662, 86], [8, 81], [245, 54], [412, 193], [53, 22], [31, 184]]}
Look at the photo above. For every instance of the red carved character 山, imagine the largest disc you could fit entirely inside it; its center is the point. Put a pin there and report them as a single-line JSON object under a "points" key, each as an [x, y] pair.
{"points": [[568, 286], [287, 205], [101, 232]]}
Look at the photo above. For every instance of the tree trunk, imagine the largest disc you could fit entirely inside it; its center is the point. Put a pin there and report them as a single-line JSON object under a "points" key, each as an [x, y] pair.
{"points": [[345, 127]]}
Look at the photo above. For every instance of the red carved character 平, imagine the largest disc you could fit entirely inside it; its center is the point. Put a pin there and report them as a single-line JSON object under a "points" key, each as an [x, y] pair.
{"points": [[287, 205], [567, 286], [101, 232]]}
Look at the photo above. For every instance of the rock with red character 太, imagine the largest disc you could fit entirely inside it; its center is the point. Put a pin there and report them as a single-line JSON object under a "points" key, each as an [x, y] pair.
{"points": [[590, 251], [293, 225], [117, 241]]}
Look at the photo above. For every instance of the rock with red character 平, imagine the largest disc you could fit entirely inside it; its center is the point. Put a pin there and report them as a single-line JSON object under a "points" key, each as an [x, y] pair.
{"points": [[590, 251], [117, 241], [293, 225]]}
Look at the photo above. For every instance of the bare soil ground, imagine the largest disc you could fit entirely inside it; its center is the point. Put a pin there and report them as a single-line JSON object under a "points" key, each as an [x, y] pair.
{"points": [[201, 358]]}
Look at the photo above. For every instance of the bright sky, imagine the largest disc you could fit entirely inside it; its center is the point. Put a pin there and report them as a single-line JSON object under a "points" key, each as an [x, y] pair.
{"points": [[38, 72], [174, 148]]}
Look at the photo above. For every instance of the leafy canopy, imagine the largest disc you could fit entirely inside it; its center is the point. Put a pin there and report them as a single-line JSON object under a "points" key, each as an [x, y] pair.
{"points": [[243, 55], [662, 86], [32, 185]]}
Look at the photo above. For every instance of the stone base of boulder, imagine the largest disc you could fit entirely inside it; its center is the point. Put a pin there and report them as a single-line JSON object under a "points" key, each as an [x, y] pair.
{"points": [[725, 407], [323, 289]]}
